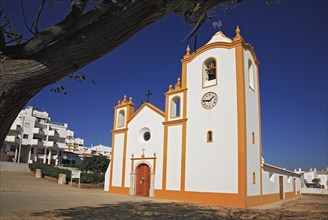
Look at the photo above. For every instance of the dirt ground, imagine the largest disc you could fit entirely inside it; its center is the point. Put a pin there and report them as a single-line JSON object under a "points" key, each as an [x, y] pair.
{"points": [[25, 197]]}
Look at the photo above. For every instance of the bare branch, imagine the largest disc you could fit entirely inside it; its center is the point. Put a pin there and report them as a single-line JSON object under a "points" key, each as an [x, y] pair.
{"points": [[26, 25], [36, 22]]}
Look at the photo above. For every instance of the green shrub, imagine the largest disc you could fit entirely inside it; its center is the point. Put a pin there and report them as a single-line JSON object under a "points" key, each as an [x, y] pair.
{"points": [[91, 178], [33, 166], [50, 170]]}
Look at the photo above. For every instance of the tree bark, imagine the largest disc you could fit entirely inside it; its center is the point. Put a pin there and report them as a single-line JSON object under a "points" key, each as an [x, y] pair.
{"points": [[70, 45]]}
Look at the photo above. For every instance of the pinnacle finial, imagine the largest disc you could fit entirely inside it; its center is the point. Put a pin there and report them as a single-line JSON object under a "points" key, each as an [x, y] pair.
{"points": [[118, 102], [170, 88], [238, 36], [124, 100], [178, 85], [188, 50], [130, 100]]}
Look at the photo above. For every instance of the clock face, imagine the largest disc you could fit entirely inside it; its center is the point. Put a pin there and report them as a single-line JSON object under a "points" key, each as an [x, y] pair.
{"points": [[209, 100]]}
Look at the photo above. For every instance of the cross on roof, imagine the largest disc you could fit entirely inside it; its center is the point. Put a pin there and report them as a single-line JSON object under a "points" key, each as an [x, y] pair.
{"points": [[149, 93]]}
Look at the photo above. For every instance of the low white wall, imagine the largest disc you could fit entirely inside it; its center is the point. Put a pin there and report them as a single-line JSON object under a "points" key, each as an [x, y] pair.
{"points": [[314, 191], [17, 167]]}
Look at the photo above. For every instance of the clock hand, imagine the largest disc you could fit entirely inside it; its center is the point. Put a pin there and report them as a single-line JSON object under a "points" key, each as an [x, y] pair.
{"points": [[208, 99]]}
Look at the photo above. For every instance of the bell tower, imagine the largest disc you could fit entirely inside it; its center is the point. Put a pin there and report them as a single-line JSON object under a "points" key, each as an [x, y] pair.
{"points": [[123, 111]]}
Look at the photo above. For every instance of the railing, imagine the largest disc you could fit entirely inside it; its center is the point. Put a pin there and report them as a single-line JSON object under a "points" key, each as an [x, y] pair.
{"points": [[46, 144], [57, 123], [12, 139], [59, 145]]}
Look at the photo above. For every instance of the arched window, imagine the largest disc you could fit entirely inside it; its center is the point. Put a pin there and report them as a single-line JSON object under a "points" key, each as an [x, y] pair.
{"points": [[251, 75], [121, 118], [209, 72], [254, 178], [175, 107], [209, 137], [253, 138]]}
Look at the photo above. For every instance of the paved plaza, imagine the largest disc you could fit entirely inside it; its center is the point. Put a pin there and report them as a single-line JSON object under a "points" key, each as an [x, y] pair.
{"points": [[25, 197]]}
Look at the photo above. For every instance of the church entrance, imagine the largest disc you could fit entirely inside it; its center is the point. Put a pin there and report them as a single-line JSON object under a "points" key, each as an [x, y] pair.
{"points": [[143, 180]]}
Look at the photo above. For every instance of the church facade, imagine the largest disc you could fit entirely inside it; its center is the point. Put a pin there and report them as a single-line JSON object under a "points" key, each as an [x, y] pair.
{"points": [[206, 146]]}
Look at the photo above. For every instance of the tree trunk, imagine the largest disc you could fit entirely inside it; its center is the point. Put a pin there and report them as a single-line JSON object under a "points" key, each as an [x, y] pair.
{"points": [[70, 45]]}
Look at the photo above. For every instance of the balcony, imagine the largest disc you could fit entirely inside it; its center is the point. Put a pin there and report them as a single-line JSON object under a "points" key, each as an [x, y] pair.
{"points": [[15, 127], [39, 131], [12, 139], [42, 143], [60, 145]]}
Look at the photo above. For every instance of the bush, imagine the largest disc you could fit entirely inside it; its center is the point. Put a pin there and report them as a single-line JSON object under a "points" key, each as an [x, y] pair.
{"points": [[91, 178], [49, 170], [94, 164]]}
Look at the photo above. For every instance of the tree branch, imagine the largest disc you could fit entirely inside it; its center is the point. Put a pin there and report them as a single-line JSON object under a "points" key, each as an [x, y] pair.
{"points": [[36, 21]]}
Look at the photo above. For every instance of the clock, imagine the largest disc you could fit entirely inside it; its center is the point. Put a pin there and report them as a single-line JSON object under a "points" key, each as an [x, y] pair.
{"points": [[209, 100]]}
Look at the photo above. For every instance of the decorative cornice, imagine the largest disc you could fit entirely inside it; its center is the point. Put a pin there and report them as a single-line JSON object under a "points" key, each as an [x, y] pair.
{"points": [[174, 122]]}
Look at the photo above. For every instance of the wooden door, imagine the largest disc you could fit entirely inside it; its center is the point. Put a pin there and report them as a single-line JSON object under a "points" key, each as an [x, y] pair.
{"points": [[281, 187], [143, 180]]}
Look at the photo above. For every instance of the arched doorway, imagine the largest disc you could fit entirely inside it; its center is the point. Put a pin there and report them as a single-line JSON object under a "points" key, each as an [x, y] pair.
{"points": [[143, 180]]}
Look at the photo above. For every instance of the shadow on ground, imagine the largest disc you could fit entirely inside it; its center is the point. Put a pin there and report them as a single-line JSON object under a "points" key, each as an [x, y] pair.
{"points": [[152, 210]]}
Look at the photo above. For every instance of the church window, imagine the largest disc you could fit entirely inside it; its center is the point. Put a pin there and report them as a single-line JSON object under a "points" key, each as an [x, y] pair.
{"points": [[209, 72], [146, 136], [121, 118], [209, 137], [251, 75], [175, 107], [253, 138], [254, 178]]}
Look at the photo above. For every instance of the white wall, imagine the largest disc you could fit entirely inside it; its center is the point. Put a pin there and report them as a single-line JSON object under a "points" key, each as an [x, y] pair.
{"points": [[174, 144], [118, 158], [252, 125], [270, 183], [212, 167], [149, 119]]}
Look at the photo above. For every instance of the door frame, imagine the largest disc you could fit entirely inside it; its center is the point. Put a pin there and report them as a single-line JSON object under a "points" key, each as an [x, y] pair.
{"points": [[281, 187], [133, 178]]}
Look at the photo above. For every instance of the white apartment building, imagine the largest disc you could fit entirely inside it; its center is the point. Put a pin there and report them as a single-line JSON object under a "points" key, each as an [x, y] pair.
{"points": [[73, 144], [33, 137], [315, 177], [100, 150]]}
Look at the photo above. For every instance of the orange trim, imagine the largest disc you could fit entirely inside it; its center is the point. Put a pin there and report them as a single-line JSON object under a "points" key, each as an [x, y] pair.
{"points": [[117, 131], [225, 199], [119, 190], [154, 167], [144, 158], [132, 164], [225, 45], [289, 195], [173, 122], [241, 118], [262, 199]]}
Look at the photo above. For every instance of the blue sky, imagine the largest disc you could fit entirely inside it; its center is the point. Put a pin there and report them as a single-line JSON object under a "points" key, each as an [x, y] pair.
{"points": [[290, 41]]}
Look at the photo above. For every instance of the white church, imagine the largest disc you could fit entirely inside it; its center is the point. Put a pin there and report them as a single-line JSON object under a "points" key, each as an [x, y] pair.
{"points": [[206, 147]]}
